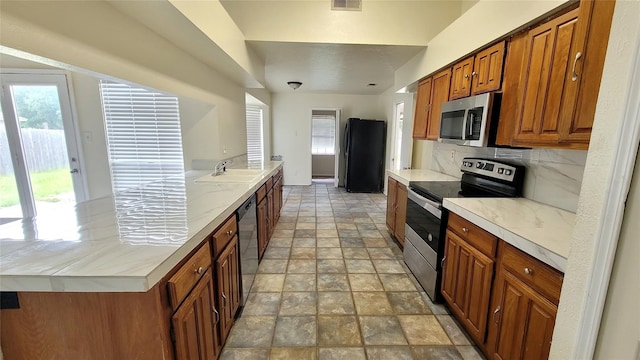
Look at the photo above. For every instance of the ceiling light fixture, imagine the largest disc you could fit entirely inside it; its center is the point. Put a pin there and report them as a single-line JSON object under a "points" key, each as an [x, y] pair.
{"points": [[294, 84]]}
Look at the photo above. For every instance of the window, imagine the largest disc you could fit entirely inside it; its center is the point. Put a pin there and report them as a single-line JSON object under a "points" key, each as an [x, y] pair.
{"points": [[323, 132], [143, 135], [254, 134]]}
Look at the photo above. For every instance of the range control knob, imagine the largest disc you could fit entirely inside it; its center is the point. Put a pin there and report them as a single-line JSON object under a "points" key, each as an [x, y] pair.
{"points": [[479, 165], [500, 170], [507, 171]]}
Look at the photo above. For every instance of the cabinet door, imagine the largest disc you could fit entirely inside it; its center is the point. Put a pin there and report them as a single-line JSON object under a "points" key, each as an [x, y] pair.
{"points": [[271, 212], [277, 189], [522, 321], [423, 101], [195, 324], [583, 80], [263, 227], [487, 69], [228, 286], [392, 185], [439, 95], [461, 79], [547, 61], [401, 212], [467, 285]]}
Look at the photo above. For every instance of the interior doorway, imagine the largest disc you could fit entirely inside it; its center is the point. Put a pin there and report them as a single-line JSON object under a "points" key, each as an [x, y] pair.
{"points": [[40, 170], [325, 145]]}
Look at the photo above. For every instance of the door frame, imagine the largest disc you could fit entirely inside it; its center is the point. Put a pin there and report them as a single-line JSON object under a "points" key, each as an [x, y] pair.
{"points": [[337, 147], [61, 79]]}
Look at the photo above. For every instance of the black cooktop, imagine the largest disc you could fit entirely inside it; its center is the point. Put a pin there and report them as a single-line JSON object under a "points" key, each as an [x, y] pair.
{"points": [[437, 190]]}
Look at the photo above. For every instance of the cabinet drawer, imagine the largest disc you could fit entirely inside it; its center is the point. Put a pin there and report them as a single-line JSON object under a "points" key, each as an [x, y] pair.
{"points": [[533, 272], [270, 183], [224, 234], [279, 174], [181, 283], [474, 235], [261, 193]]}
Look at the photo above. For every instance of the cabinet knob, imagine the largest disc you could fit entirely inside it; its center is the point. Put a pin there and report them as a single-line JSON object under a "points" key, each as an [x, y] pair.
{"points": [[466, 76], [465, 230], [528, 271], [230, 232], [199, 270], [474, 74]]}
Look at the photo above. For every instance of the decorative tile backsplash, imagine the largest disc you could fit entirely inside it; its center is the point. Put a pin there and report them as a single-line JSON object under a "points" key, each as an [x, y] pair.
{"points": [[553, 177]]}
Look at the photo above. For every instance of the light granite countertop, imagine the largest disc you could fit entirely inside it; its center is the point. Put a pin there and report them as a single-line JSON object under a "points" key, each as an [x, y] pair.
{"points": [[405, 176], [122, 243], [539, 230]]}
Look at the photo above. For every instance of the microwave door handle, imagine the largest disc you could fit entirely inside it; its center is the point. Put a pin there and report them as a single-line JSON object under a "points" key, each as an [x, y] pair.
{"points": [[464, 125], [470, 126]]}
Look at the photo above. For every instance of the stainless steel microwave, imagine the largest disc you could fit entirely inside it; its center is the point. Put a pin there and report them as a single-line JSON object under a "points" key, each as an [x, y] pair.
{"points": [[471, 121]]}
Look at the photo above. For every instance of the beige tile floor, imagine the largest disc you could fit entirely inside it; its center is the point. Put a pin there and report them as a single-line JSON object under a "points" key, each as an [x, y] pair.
{"points": [[332, 285]]}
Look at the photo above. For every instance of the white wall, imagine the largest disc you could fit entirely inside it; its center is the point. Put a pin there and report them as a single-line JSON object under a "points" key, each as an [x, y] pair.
{"points": [[620, 330], [200, 132], [292, 127], [486, 21], [94, 36]]}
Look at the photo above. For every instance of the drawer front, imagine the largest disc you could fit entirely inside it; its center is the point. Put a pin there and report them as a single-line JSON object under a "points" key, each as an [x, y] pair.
{"points": [[474, 235], [181, 283], [533, 272], [270, 183], [261, 193], [224, 234]]}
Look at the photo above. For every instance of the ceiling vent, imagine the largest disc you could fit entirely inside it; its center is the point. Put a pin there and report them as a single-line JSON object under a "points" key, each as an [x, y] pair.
{"points": [[346, 5]]}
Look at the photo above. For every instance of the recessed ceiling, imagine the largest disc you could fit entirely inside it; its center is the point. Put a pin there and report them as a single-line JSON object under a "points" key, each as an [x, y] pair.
{"points": [[332, 68]]}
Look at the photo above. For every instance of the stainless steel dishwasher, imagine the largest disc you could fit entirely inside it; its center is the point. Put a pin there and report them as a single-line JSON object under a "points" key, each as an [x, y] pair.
{"points": [[248, 240]]}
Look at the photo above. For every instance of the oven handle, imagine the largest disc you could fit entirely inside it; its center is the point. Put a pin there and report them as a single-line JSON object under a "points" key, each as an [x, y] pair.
{"points": [[429, 205]]}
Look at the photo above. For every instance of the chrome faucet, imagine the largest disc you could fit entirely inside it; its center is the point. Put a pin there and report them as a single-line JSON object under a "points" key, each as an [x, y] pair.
{"points": [[221, 167]]}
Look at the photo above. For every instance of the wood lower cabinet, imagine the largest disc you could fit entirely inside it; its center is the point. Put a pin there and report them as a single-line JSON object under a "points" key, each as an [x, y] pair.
{"points": [[559, 64], [396, 209], [195, 323], [263, 227], [466, 284], [227, 276], [271, 212]]}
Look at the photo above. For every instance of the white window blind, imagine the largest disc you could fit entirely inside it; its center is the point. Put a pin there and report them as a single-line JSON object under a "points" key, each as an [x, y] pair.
{"points": [[255, 153], [143, 135], [323, 133]]}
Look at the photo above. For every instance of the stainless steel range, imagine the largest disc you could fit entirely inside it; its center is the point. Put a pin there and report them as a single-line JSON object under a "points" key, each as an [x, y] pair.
{"points": [[427, 219]]}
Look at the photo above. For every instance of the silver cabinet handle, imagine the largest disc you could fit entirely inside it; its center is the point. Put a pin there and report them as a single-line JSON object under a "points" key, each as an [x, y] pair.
{"points": [[466, 76], [495, 312], [528, 271], [224, 297], [474, 74], [465, 230], [442, 262], [574, 75], [217, 314], [199, 270], [230, 232]]}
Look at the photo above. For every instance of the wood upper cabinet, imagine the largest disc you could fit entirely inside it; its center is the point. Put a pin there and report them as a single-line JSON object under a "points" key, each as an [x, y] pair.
{"points": [[195, 324], [461, 79], [423, 103], [439, 95], [392, 186], [560, 70], [228, 281], [487, 69], [432, 93], [466, 284]]}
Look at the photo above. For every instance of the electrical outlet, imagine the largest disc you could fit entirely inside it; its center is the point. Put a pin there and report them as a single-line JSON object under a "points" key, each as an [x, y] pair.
{"points": [[453, 154], [224, 149]]}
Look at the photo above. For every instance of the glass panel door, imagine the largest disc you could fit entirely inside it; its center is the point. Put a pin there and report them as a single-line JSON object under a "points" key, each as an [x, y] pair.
{"points": [[9, 197], [42, 143]]}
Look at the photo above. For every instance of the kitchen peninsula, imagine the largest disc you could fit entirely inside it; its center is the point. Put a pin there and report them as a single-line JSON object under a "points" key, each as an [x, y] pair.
{"points": [[93, 284]]}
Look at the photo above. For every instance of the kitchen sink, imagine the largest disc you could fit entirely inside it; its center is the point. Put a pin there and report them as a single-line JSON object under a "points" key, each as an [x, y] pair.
{"points": [[233, 176]]}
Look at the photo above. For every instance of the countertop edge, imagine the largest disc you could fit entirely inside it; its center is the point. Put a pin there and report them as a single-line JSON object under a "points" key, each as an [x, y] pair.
{"points": [[539, 252]]}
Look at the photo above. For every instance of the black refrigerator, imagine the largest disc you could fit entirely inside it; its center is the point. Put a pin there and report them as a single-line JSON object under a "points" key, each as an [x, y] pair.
{"points": [[364, 153]]}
